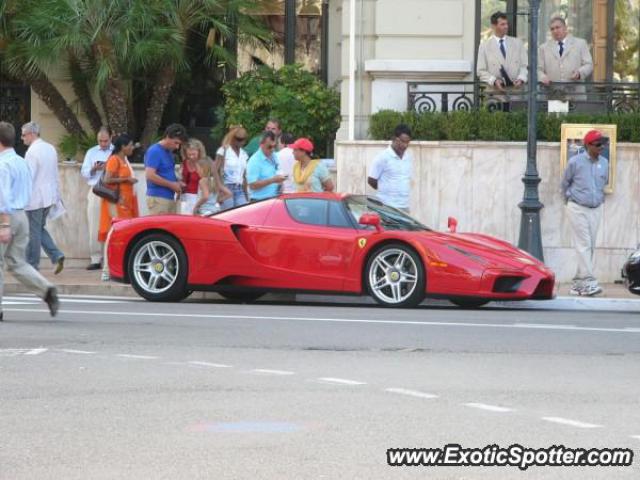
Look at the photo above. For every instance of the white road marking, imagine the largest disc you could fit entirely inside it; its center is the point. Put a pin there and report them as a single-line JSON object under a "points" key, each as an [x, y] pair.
{"points": [[268, 371], [411, 393], [334, 320], [488, 408], [209, 364], [4, 302], [74, 296], [81, 352], [543, 325], [140, 357], [36, 351], [12, 352], [637, 437], [572, 423], [340, 381]]}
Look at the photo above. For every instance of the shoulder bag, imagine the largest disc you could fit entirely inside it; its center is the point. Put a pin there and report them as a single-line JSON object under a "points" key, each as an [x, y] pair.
{"points": [[102, 190]]}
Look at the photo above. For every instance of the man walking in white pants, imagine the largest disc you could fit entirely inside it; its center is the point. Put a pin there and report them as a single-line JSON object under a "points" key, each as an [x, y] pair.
{"points": [[583, 185], [92, 168], [15, 191]]}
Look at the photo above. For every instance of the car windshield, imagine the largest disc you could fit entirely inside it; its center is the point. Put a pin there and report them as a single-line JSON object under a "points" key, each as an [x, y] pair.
{"points": [[390, 218]]}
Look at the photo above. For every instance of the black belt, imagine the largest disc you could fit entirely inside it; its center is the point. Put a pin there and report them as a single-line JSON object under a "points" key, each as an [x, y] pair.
{"points": [[585, 206]]}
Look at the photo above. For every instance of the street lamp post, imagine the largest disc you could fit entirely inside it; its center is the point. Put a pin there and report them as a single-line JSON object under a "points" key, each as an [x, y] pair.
{"points": [[530, 233]]}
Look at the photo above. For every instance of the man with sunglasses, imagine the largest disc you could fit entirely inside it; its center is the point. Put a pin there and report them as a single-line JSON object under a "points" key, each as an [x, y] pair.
{"points": [[583, 184], [263, 175]]}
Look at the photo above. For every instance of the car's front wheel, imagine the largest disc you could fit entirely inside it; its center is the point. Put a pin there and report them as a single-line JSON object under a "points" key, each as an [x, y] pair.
{"points": [[158, 268], [395, 276]]}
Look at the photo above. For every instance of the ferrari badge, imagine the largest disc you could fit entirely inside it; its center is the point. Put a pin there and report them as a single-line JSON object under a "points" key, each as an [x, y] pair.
{"points": [[362, 242]]}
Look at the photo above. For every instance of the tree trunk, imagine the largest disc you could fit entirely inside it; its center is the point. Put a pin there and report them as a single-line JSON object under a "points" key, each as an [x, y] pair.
{"points": [[53, 99], [159, 98], [116, 98], [81, 89]]}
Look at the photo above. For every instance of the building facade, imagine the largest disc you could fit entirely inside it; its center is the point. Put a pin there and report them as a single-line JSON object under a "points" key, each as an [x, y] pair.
{"points": [[401, 49]]}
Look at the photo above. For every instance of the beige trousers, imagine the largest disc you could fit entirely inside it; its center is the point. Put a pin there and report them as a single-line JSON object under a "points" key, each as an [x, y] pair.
{"points": [[584, 224], [94, 203], [13, 254], [161, 206]]}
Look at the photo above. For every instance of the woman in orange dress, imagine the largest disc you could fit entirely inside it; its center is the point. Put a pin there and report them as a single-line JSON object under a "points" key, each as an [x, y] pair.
{"points": [[118, 175]]}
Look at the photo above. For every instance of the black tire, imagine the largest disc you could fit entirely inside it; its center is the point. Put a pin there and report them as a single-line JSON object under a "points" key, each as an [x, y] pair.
{"points": [[176, 267], [410, 295], [469, 302], [241, 297]]}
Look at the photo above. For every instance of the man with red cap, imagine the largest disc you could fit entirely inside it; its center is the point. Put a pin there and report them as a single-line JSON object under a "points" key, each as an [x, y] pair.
{"points": [[583, 184]]}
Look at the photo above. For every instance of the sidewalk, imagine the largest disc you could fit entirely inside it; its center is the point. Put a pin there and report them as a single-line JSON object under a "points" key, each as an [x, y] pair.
{"points": [[78, 281]]}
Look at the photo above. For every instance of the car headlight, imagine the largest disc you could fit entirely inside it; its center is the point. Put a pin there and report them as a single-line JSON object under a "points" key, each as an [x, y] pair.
{"points": [[635, 255]]}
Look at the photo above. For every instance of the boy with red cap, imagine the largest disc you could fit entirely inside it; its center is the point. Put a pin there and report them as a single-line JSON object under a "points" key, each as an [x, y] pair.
{"points": [[583, 184]]}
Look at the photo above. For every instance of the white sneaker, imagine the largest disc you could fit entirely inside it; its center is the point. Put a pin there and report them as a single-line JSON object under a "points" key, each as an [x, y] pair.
{"points": [[105, 277], [576, 289], [592, 290]]}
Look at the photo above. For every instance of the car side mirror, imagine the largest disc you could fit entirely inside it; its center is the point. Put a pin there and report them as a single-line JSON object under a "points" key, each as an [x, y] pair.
{"points": [[452, 224], [372, 219]]}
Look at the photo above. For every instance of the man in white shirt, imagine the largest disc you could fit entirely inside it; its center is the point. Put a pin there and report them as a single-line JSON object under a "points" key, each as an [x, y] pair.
{"points": [[92, 168], [502, 62], [392, 171], [286, 162], [43, 161]]}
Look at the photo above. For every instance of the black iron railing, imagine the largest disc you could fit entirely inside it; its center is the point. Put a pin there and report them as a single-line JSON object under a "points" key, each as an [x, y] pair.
{"points": [[593, 97]]}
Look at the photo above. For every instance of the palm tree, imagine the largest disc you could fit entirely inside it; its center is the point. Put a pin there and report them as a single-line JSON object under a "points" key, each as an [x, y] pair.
{"points": [[211, 23], [17, 63], [111, 48]]}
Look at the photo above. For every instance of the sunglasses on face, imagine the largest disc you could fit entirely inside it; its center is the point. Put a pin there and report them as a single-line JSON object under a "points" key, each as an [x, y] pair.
{"points": [[240, 139], [598, 144], [269, 147]]}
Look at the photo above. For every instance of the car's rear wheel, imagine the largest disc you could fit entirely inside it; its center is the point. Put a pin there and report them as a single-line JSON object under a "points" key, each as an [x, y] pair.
{"points": [[395, 276], [158, 268], [241, 297], [469, 302]]}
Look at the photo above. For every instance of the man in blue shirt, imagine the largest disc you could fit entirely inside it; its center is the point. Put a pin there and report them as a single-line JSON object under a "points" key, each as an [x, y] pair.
{"points": [[160, 171], [15, 193], [263, 175], [583, 185]]}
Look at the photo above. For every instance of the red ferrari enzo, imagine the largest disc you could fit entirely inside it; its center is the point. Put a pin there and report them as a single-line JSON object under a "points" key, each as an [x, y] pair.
{"points": [[347, 244]]}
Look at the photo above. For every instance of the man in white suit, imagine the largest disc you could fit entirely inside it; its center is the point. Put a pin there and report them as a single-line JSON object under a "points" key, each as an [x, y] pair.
{"points": [[43, 161], [502, 62], [564, 58]]}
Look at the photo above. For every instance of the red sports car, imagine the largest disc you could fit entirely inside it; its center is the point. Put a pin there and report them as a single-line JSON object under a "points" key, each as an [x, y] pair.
{"points": [[347, 244]]}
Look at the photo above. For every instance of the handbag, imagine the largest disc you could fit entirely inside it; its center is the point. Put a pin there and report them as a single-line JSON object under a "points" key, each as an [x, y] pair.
{"points": [[103, 191]]}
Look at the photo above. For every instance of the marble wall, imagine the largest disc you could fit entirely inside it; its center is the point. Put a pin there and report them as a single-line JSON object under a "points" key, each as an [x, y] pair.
{"points": [[480, 184]]}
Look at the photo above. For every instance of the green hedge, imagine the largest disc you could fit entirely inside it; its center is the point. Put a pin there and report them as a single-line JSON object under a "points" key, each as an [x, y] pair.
{"points": [[499, 126], [304, 105]]}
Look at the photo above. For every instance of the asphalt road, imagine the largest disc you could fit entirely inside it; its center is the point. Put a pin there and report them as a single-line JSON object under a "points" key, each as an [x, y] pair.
{"points": [[124, 389]]}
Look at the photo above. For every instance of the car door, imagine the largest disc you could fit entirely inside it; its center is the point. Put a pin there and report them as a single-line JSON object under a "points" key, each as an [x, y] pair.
{"points": [[309, 241]]}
